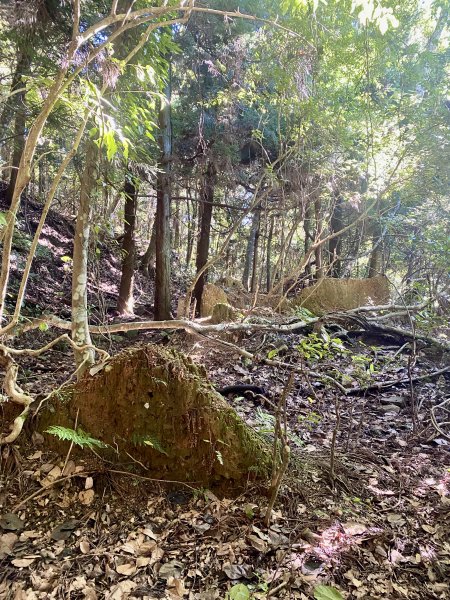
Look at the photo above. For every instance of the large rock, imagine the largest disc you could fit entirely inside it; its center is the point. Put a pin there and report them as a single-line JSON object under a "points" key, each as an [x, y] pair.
{"points": [[330, 294], [212, 295], [158, 407]]}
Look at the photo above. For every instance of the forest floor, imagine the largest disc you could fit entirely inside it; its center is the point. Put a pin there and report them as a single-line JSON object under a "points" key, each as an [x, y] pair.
{"points": [[377, 529]]}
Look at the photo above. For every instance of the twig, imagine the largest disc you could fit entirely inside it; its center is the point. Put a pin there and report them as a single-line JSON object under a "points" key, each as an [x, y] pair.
{"points": [[337, 408], [281, 435]]}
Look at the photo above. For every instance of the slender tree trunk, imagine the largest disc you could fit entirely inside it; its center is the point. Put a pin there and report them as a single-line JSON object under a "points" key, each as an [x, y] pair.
{"points": [[269, 255], [176, 225], [335, 244], [80, 326], [205, 230], [308, 228], [318, 251], [126, 299], [250, 251], [192, 221], [255, 262], [149, 258], [19, 121], [376, 256], [162, 276]]}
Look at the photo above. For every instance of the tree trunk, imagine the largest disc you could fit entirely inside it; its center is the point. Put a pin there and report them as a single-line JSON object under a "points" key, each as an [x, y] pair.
{"points": [[19, 100], [376, 256], [335, 244], [255, 262], [308, 228], [148, 260], [80, 326], [205, 231], [250, 251], [192, 220], [318, 251], [269, 255], [126, 301], [162, 276]]}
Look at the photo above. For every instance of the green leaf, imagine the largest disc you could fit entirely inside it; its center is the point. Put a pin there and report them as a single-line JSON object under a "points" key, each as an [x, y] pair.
{"points": [[43, 326], [111, 145], [239, 592], [2, 218], [78, 437], [326, 592], [66, 259]]}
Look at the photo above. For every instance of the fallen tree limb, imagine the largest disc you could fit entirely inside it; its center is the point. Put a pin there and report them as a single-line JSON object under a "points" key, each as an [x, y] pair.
{"points": [[382, 385]]}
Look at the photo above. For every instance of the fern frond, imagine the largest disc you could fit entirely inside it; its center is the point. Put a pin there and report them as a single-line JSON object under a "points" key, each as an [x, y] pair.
{"points": [[78, 437]]}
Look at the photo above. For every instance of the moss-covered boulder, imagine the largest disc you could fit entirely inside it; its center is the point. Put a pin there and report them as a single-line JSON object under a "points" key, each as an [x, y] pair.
{"points": [[224, 312], [158, 407], [212, 295], [330, 294]]}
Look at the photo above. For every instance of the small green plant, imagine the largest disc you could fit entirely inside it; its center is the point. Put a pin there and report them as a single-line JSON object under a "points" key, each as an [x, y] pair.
{"points": [[238, 592], [326, 592], [304, 313], [265, 426], [148, 440], [363, 368], [319, 347], [78, 437], [311, 419]]}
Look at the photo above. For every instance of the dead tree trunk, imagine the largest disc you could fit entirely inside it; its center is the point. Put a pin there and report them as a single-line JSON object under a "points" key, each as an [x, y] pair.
{"points": [[205, 230], [126, 300]]}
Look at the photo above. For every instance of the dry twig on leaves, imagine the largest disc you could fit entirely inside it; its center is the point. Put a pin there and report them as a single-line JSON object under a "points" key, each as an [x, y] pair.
{"points": [[280, 447]]}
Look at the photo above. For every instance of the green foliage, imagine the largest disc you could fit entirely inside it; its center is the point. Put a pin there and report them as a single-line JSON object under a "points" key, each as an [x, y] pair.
{"points": [[319, 347], [265, 426], [148, 440], [78, 437], [2, 219], [326, 592], [238, 592]]}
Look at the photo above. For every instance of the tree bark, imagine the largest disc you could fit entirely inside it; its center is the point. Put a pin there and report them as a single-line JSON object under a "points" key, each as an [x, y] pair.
{"points": [[376, 256], [125, 303], [318, 251], [269, 255], [309, 238], [19, 101], [205, 231], [192, 221], [148, 260], [250, 251], [335, 244], [255, 262], [162, 276], [80, 325]]}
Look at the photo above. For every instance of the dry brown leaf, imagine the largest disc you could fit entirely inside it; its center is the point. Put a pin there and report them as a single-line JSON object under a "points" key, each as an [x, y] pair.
{"points": [[23, 562], [126, 569], [86, 497], [7, 541]]}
